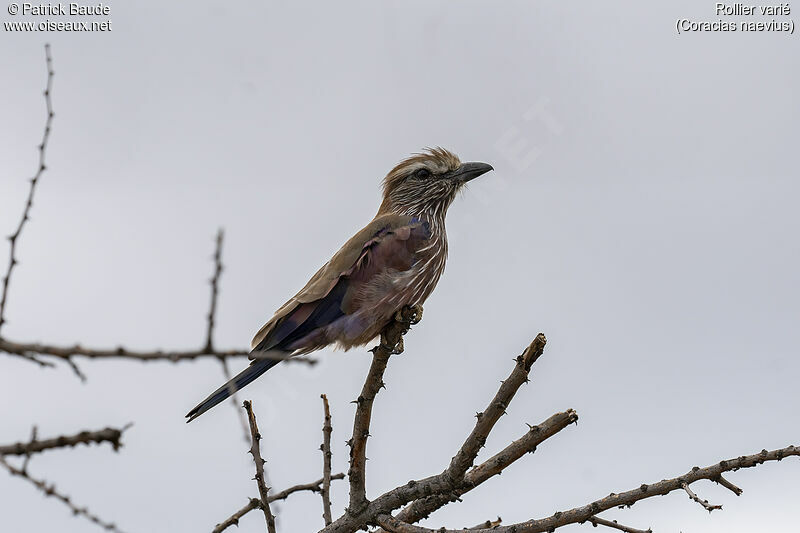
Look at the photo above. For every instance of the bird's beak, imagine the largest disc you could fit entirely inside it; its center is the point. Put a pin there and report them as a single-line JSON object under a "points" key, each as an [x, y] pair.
{"points": [[470, 171]]}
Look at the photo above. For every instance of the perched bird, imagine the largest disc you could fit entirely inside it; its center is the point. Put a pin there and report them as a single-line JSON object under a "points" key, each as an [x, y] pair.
{"points": [[395, 261]]}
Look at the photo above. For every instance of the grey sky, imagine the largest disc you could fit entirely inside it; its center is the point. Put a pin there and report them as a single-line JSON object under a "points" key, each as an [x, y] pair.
{"points": [[643, 215]]}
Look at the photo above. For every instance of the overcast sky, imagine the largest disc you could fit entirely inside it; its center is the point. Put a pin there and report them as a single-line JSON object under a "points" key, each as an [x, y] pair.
{"points": [[642, 214]]}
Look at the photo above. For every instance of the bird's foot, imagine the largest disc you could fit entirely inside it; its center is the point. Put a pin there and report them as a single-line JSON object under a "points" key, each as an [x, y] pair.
{"points": [[409, 314]]}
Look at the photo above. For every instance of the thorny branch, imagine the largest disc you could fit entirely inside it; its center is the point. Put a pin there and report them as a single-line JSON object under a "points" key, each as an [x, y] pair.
{"points": [[13, 238], [212, 311], [426, 495], [391, 343], [65, 352], [327, 429], [110, 435], [255, 451]]}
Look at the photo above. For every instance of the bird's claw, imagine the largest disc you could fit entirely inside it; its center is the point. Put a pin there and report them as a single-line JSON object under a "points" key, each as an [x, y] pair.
{"points": [[410, 314], [399, 347]]}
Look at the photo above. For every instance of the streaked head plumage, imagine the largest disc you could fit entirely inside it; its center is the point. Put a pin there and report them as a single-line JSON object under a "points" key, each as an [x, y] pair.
{"points": [[427, 182]]}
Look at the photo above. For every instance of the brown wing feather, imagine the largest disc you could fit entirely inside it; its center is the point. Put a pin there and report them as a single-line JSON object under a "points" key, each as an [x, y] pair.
{"points": [[340, 264]]}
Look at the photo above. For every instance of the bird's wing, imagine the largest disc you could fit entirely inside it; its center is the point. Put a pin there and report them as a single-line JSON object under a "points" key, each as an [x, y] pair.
{"points": [[389, 241]]}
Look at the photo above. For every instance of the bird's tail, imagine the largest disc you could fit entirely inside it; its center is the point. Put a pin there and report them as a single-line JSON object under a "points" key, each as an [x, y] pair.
{"points": [[238, 382]]}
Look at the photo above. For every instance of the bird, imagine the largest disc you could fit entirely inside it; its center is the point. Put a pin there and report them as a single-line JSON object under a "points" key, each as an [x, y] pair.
{"points": [[395, 261]]}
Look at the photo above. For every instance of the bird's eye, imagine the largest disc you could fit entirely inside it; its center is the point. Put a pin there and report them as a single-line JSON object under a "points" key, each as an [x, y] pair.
{"points": [[422, 173]]}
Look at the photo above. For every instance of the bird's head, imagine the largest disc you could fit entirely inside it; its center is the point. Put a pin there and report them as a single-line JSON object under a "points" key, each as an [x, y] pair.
{"points": [[427, 183]]}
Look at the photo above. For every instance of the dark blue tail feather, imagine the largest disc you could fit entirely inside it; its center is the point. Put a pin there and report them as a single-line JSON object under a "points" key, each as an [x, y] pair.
{"points": [[238, 382]]}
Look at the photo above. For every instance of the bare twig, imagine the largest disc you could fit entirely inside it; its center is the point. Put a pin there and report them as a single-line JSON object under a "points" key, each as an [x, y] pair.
{"points": [[728, 485], [255, 503], [50, 490], [597, 521], [233, 520], [314, 486], [585, 512], [13, 238], [692, 496], [109, 435], [33, 359], [263, 490], [391, 343], [327, 429], [214, 281], [75, 369]]}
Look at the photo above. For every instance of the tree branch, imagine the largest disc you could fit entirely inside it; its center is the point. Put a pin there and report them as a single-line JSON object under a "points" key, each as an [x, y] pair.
{"points": [[585, 512], [110, 435], [263, 490], [65, 352], [327, 429], [391, 343], [13, 238]]}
